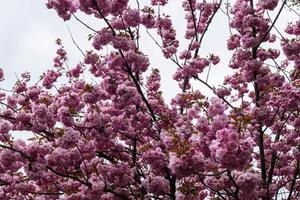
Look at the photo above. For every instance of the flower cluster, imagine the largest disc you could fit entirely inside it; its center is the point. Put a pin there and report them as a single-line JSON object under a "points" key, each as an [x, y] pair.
{"points": [[168, 34], [64, 8], [114, 135]]}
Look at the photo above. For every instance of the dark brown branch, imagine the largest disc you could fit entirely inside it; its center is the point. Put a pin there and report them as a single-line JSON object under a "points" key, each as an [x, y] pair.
{"points": [[272, 25], [237, 187], [294, 180], [107, 157], [74, 42], [257, 103], [104, 18], [45, 193], [172, 182], [194, 19], [116, 194], [186, 79], [274, 153], [84, 23], [134, 79], [215, 191], [88, 184], [139, 89]]}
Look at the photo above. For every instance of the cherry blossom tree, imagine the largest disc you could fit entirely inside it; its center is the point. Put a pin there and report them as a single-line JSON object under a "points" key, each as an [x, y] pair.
{"points": [[117, 138]]}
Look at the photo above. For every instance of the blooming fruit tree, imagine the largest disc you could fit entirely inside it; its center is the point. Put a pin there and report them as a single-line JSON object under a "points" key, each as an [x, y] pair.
{"points": [[117, 138]]}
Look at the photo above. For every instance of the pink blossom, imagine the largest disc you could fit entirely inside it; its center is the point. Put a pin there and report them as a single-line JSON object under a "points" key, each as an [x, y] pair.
{"points": [[268, 4], [157, 185], [64, 8], [159, 2], [103, 37], [5, 126], [1, 74], [131, 17]]}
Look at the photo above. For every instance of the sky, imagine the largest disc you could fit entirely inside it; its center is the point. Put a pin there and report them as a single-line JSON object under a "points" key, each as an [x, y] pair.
{"points": [[28, 34], [28, 31]]}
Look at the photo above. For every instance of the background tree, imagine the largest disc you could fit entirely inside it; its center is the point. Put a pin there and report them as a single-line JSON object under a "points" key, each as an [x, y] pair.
{"points": [[116, 137]]}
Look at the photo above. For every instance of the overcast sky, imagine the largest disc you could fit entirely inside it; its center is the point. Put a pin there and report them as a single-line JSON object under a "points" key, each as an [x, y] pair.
{"points": [[28, 31]]}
